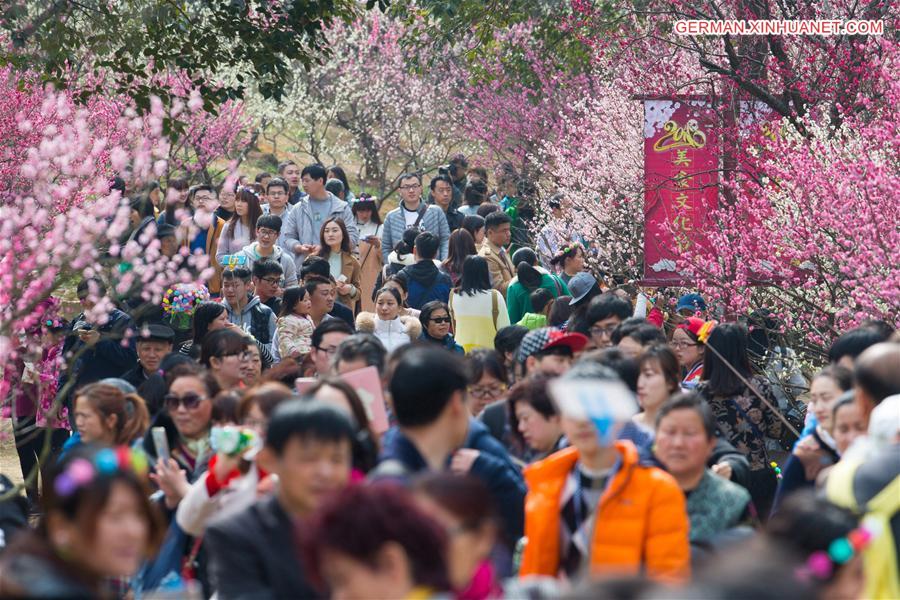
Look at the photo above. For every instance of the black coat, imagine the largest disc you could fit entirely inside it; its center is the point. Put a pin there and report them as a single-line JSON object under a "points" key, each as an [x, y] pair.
{"points": [[108, 358], [253, 554]]}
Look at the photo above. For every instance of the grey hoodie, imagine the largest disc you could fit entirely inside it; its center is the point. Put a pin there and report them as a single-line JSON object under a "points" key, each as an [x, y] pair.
{"points": [[251, 251], [244, 320]]}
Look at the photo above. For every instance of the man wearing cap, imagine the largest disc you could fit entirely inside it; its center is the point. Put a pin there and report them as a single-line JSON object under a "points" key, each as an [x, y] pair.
{"points": [[154, 341], [548, 351], [689, 305], [168, 241]]}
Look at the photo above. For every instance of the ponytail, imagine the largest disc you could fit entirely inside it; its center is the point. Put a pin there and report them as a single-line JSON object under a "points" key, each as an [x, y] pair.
{"points": [[130, 410], [137, 420], [529, 277]]}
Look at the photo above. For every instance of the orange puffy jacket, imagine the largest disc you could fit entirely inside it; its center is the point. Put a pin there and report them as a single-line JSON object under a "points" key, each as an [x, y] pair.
{"points": [[641, 520]]}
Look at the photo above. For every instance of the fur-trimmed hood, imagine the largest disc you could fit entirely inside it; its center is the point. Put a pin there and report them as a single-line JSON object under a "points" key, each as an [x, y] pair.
{"points": [[392, 334]]}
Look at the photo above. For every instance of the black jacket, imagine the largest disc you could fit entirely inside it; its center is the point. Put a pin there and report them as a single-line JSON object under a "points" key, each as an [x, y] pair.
{"points": [[135, 376], [108, 358], [252, 554], [454, 218]]}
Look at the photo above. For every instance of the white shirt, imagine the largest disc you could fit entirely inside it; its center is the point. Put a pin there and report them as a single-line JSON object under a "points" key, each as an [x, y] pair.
{"points": [[411, 217], [369, 229]]}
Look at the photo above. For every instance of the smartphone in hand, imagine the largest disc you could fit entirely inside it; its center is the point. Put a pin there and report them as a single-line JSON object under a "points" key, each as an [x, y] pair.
{"points": [[161, 442]]}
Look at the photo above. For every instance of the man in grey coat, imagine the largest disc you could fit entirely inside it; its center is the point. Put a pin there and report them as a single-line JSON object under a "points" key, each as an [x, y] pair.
{"points": [[412, 212], [300, 232]]}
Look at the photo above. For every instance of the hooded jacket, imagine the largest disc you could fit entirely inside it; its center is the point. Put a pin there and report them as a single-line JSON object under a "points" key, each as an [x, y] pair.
{"points": [[393, 334], [251, 251], [641, 522], [425, 283], [258, 319]]}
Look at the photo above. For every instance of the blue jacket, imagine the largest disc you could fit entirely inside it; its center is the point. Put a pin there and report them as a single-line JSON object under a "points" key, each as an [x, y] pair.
{"points": [[425, 282], [433, 220], [493, 466]]}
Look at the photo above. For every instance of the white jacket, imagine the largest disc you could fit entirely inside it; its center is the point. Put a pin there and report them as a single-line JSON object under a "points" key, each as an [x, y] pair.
{"points": [[196, 509], [393, 334]]}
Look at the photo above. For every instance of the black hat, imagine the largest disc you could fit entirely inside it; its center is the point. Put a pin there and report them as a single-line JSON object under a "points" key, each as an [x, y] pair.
{"points": [[165, 230], [156, 331]]}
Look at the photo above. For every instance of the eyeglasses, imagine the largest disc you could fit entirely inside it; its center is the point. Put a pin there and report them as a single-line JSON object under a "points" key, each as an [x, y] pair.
{"points": [[440, 320], [484, 391], [189, 401], [330, 350], [603, 331], [271, 280], [678, 345], [266, 232]]}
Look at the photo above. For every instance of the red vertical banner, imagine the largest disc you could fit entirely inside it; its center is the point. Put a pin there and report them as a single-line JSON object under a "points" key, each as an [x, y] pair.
{"points": [[681, 177]]}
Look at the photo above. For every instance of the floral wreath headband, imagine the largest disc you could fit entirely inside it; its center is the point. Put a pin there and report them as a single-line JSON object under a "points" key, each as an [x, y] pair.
{"points": [[108, 461], [821, 564], [565, 251], [242, 188]]}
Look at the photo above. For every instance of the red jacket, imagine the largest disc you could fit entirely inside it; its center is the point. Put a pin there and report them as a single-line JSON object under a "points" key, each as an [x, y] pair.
{"points": [[641, 522]]}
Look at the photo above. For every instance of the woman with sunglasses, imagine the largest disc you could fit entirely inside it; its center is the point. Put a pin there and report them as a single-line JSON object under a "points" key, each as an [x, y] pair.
{"points": [[186, 420], [224, 353], [435, 319]]}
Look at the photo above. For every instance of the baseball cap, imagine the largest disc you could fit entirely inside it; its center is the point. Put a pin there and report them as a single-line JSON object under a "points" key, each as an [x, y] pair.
{"points": [[580, 285], [546, 338], [693, 301]]}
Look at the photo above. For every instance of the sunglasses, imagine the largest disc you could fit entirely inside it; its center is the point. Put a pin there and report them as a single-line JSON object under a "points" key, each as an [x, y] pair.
{"points": [[189, 401], [440, 320]]}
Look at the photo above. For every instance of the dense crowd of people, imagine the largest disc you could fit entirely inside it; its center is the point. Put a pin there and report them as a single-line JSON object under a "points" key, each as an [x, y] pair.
{"points": [[443, 403]]}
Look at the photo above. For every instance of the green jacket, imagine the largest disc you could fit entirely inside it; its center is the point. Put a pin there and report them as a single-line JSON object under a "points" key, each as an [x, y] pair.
{"points": [[533, 321], [518, 298]]}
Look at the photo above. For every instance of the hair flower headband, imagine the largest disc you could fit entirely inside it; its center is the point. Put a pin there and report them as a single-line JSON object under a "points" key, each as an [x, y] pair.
{"points": [[821, 563], [108, 461]]}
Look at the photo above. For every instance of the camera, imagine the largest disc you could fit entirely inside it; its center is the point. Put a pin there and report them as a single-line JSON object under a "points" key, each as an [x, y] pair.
{"points": [[450, 170]]}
